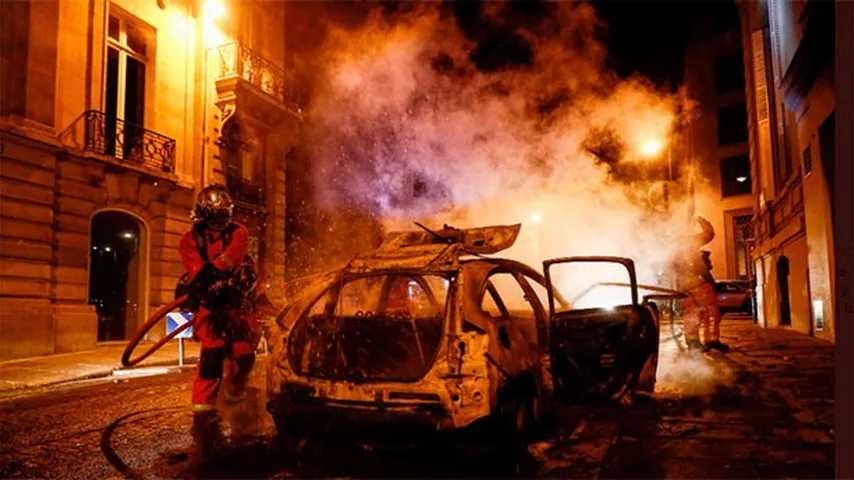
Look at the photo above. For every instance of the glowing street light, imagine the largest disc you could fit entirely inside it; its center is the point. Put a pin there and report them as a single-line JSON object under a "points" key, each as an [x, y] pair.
{"points": [[128, 235], [651, 148], [213, 9], [740, 179], [107, 249]]}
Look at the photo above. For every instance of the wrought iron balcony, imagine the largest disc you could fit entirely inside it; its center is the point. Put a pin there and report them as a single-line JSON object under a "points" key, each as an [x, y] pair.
{"points": [[103, 134], [236, 60], [245, 192]]}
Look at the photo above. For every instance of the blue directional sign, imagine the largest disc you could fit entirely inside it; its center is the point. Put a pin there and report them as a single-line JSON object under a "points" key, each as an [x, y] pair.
{"points": [[174, 320]]}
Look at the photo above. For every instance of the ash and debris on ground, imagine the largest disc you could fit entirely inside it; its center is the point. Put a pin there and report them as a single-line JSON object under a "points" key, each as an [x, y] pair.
{"points": [[765, 410]]}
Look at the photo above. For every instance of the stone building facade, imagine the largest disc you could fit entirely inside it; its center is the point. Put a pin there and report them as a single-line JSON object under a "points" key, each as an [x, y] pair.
{"points": [[113, 115], [714, 78], [789, 56]]}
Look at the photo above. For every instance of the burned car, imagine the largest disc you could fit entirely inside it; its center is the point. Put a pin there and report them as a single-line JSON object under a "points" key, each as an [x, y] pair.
{"points": [[429, 334]]}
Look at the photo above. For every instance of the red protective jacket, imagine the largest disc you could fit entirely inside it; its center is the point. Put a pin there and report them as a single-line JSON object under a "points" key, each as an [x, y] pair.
{"points": [[691, 269], [224, 258]]}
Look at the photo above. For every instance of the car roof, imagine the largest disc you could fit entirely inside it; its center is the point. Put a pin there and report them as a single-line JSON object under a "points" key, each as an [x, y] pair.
{"points": [[442, 250]]}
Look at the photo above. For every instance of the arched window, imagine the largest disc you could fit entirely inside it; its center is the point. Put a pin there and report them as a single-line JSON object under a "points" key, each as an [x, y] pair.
{"points": [[241, 158]]}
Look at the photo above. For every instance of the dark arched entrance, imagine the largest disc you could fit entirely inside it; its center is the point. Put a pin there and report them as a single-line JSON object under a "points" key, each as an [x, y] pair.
{"points": [[116, 269], [783, 284]]}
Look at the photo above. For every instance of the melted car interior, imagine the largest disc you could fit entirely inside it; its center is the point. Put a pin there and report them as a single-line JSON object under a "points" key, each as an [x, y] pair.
{"points": [[385, 327]]}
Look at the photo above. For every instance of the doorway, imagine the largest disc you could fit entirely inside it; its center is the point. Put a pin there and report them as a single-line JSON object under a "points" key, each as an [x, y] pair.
{"points": [[116, 269], [783, 285]]}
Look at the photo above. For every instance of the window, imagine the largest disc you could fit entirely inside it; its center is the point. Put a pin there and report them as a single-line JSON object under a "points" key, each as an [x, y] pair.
{"points": [[511, 296], [124, 96], [540, 291], [384, 327], [732, 124], [729, 72], [735, 176], [742, 229]]}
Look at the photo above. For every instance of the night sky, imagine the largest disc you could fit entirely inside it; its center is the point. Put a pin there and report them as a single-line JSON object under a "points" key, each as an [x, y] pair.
{"points": [[647, 37], [650, 37]]}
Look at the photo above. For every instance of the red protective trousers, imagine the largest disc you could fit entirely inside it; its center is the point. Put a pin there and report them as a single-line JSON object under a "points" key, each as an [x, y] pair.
{"points": [[701, 308], [229, 359]]}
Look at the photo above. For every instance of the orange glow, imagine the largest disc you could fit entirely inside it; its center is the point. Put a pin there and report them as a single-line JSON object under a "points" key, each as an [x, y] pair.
{"points": [[213, 9], [651, 148], [536, 217]]}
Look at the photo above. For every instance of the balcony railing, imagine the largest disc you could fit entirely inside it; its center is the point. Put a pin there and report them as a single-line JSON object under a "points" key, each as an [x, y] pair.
{"points": [[103, 134], [245, 191], [236, 60]]}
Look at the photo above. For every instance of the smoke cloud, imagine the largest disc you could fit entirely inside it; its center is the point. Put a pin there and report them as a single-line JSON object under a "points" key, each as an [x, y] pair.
{"points": [[416, 118]]}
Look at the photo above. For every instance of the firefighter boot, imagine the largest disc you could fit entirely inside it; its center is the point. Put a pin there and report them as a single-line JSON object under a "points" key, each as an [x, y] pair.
{"points": [[206, 432]]}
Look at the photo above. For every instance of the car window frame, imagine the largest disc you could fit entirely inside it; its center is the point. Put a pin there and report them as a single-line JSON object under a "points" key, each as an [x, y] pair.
{"points": [[489, 287]]}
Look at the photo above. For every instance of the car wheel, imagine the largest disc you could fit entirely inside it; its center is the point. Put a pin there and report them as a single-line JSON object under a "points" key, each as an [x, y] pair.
{"points": [[291, 438], [515, 423]]}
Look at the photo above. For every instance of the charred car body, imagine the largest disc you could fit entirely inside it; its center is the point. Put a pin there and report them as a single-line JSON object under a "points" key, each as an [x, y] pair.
{"points": [[428, 332]]}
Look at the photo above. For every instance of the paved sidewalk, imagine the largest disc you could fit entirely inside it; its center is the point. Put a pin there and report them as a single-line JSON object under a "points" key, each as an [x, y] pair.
{"points": [[65, 367]]}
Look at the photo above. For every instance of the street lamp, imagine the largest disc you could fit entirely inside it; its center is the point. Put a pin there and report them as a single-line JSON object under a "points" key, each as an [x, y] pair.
{"points": [[213, 9], [652, 149]]}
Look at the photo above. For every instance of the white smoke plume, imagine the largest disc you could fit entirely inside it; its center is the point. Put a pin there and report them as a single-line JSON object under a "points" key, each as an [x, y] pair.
{"points": [[404, 126]]}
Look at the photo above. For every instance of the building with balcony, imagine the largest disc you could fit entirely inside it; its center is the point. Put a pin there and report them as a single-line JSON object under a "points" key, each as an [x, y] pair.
{"points": [[789, 47], [112, 116], [714, 79]]}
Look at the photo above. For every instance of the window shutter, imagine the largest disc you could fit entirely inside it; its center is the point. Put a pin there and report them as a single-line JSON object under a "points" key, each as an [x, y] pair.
{"points": [[808, 159], [762, 83], [760, 76]]}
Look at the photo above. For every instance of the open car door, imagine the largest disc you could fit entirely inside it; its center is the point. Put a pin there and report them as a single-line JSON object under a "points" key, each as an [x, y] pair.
{"points": [[604, 346]]}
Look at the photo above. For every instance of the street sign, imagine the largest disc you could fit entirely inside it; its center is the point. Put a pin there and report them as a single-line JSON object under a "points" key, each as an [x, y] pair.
{"points": [[175, 320]]}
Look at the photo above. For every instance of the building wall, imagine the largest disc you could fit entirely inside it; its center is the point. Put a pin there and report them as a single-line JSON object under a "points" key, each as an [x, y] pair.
{"points": [[52, 183], [817, 107], [801, 203]]}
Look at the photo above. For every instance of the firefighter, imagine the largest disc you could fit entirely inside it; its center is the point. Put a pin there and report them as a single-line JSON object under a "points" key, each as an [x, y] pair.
{"points": [[693, 276], [219, 280]]}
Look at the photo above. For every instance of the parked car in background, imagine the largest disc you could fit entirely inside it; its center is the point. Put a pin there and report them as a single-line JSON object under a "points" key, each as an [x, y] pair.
{"points": [[734, 296]]}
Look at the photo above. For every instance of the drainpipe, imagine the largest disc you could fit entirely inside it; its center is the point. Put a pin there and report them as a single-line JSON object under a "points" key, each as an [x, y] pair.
{"points": [[205, 88]]}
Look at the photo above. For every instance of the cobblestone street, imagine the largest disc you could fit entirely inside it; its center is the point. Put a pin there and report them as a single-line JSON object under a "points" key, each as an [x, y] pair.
{"points": [[764, 410]]}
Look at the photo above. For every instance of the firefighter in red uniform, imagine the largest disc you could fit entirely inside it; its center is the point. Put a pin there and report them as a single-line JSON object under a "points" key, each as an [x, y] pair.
{"points": [[220, 279], [694, 276]]}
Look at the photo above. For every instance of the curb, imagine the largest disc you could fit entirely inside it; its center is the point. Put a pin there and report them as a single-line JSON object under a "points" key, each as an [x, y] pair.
{"points": [[150, 369], [111, 371]]}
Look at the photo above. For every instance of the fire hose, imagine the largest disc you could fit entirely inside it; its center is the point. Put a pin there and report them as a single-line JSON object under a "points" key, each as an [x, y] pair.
{"points": [[127, 361]]}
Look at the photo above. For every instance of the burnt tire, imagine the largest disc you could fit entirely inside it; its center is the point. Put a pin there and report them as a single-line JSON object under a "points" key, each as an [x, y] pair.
{"points": [[516, 422], [291, 437]]}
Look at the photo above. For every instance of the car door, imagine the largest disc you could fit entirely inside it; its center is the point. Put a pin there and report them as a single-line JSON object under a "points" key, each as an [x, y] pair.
{"points": [[505, 300], [603, 350]]}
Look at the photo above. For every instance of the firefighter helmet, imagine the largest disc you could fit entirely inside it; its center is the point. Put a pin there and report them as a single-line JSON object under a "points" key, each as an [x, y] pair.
{"points": [[214, 207]]}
